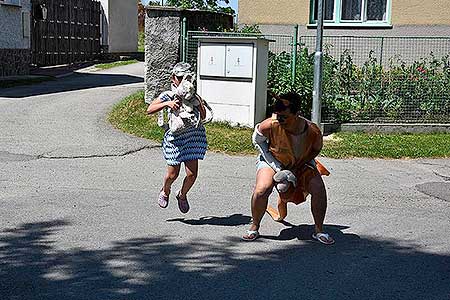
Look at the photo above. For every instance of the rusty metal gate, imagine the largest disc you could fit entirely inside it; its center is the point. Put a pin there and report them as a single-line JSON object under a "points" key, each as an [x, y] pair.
{"points": [[65, 31]]}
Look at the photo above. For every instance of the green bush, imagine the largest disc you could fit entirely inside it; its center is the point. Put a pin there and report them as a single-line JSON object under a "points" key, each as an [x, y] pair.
{"points": [[368, 92]]}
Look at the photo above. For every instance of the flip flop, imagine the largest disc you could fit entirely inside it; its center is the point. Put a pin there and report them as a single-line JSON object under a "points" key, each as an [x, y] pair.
{"points": [[183, 204], [251, 235], [163, 200], [323, 237]]}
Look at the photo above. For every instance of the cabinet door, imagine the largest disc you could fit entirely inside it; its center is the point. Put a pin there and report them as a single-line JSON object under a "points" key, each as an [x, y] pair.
{"points": [[212, 60], [239, 61]]}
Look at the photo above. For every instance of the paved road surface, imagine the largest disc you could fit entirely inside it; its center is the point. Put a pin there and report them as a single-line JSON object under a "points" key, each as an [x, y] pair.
{"points": [[79, 219]]}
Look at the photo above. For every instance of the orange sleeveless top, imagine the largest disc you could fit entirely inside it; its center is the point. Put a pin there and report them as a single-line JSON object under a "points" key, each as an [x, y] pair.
{"points": [[280, 145]]}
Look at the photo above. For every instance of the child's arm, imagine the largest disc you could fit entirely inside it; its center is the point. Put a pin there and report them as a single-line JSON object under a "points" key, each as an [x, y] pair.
{"points": [[158, 105]]}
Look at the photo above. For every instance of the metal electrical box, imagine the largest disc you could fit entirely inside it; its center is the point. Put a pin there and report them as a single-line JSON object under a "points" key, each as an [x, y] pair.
{"points": [[232, 77]]}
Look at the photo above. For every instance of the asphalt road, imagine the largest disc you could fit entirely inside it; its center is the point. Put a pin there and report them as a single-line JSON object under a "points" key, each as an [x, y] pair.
{"points": [[79, 217]]}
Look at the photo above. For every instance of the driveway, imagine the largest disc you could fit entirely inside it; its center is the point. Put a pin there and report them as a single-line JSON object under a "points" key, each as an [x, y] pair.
{"points": [[79, 218]]}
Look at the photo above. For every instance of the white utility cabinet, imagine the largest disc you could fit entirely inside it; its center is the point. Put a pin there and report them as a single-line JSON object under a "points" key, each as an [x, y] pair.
{"points": [[232, 77]]}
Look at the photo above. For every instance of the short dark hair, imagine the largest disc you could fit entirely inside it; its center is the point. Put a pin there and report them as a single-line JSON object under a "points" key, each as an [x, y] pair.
{"points": [[294, 100]]}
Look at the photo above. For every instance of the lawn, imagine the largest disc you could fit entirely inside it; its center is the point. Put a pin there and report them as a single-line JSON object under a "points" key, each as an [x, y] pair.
{"points": [[115, 64], [129, 115]]}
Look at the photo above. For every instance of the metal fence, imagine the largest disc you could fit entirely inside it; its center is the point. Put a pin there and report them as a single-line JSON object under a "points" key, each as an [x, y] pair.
{"points": [[387, 50], [366, 79], [385, 79], [69, 33]]}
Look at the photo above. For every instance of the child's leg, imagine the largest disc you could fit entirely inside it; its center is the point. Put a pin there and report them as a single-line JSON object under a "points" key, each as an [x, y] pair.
{"points": [[191, 175], [171, 176]]}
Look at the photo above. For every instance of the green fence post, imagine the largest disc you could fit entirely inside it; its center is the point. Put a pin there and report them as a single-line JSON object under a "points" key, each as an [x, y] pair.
{"points": [[294, 54], [381, 53], [183, 40]]}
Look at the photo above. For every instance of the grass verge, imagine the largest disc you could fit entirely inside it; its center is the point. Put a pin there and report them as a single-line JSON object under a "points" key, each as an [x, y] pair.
{"points": [[115, 64], [349, 144], [129, 115]]}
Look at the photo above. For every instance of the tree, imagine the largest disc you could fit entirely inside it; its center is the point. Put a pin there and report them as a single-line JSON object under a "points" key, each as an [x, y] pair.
{"points": [[202, 4]]}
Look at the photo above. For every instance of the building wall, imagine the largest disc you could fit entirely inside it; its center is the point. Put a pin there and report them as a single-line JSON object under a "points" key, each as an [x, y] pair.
{"points": [[404, 12], [14, 62], [104, 22], [15, 37], [123, 26], [395, 31], [12, 28], [420, 12], [273, 12], [119, 25]]}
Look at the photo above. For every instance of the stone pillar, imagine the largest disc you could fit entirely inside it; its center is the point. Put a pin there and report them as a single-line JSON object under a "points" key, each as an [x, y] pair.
{"points": [[162, 34], [162, 41]]}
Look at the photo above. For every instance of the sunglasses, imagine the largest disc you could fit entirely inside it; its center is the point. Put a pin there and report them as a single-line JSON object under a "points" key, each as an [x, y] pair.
{"points": [[282, 118]]}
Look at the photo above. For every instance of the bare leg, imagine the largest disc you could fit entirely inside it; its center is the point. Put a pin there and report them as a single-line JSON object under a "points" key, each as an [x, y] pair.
{"points": [[263, 188], [318, 202], [191, 175], [171, 176]]}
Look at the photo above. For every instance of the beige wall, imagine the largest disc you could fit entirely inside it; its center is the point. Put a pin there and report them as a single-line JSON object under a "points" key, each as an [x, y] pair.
{"points": [[404, 12], [122, 25], [420, 12], [273, 12]]}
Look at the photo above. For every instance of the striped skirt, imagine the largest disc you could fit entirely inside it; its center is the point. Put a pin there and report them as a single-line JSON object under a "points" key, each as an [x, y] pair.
{"points": [[188, 145]]}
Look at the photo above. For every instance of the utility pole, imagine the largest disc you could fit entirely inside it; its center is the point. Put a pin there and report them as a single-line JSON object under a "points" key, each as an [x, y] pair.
{"points": [[318, 68]]}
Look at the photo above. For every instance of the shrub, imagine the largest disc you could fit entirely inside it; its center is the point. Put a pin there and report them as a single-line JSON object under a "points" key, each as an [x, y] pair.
{"points": [[368, 92]]}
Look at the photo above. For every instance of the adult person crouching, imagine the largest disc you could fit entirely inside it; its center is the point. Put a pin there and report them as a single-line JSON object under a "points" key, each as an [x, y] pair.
{"points": [[288, 144], [186, 147]]}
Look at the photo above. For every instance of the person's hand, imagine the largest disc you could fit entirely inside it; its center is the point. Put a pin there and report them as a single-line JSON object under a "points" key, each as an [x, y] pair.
{"points": [[283, 186], [174, 105], [285, 176]]}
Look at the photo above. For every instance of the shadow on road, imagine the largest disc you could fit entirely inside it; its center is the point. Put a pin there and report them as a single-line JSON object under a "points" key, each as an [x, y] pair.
{"points": [[72, 83], [233, 220], [31, 267]]}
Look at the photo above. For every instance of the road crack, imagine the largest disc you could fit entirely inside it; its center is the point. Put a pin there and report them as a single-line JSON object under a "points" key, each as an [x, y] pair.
{"points": [[43, 156]]}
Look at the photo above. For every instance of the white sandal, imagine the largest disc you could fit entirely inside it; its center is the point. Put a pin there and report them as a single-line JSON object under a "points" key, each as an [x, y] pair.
{"points": [[251, 235], [323, 237]]}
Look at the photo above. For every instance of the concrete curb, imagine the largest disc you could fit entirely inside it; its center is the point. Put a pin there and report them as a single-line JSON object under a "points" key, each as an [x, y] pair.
{"points": [[397, 128]]}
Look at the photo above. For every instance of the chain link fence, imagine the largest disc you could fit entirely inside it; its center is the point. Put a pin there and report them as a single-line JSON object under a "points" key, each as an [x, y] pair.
{"points": [[387, 50], [366, 79], [384, 79]]}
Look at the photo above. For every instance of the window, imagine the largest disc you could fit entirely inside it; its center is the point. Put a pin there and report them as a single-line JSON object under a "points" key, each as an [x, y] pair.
{"points": [[354, 12], [328, 13], [10, 2]]}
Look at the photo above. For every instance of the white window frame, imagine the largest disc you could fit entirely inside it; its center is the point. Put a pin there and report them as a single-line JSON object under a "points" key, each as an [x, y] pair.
{"points": [[335, 8], [11, 2], [363, 22], [362, 13]]}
